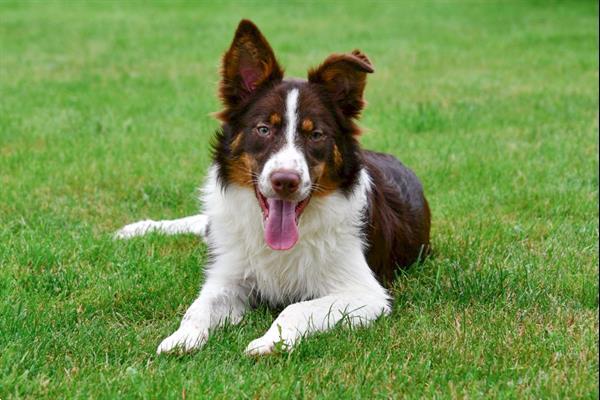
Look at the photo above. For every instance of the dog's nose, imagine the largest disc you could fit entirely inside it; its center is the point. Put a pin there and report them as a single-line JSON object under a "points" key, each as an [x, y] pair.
{"points": [[285, 182]]}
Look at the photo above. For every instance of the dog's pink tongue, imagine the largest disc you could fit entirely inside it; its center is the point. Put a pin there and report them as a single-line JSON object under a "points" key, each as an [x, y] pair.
{"points": [[281, 231]]}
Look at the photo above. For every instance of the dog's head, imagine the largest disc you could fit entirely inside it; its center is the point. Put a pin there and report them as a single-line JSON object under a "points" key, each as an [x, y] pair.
{"points": [[287, 139]]}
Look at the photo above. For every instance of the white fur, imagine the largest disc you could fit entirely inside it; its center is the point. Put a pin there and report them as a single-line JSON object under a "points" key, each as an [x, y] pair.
{"points": [[289, 157], [195, 225], [291, 115], [324, 279]]}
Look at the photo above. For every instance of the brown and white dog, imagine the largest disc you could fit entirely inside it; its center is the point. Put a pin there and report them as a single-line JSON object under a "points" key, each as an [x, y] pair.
{"points": [[295, 213]]}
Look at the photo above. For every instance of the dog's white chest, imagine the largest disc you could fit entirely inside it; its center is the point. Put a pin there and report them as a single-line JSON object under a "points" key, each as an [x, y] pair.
{"points": [[329, 235]]}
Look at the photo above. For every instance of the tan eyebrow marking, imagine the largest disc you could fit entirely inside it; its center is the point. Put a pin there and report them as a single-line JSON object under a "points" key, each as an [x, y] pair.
{"points": [[307, 125], [275, 119]]}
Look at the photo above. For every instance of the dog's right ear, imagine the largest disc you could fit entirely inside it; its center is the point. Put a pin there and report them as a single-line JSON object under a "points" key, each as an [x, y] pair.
{"points": [[344, 77], [247, 65]]}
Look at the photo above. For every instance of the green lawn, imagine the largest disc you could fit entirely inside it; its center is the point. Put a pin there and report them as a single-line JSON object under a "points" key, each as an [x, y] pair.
{"points": [[104, 120]]}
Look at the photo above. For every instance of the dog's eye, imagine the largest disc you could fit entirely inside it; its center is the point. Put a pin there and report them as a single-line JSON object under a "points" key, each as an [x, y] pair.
{"points": [[263, 130], [315, 136]]}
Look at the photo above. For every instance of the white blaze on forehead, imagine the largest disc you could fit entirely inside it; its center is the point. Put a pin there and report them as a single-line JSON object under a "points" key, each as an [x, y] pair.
{"points": [[291, 116], [289, 156]]}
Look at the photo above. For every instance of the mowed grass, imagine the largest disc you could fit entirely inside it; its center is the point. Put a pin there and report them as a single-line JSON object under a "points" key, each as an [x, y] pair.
{"points": [[104, 120]]}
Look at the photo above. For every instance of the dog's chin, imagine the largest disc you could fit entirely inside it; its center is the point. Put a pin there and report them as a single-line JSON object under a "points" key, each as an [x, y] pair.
{"points": [[280, 220]]}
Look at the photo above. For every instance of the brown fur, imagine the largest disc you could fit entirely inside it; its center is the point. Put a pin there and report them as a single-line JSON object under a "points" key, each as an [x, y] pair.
{"points": [[345, 77], [241, 170], [235, 144], [337, 157], [247, 65], [275, 119], [253, 91], [307, 125], [398, 232]]}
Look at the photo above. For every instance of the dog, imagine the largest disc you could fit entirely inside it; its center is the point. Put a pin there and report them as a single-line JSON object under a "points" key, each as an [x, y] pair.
{"points": [[295, 213]]}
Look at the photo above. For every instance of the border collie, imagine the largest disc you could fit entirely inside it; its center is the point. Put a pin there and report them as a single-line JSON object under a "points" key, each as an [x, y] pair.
{"points": [[295, 213]]}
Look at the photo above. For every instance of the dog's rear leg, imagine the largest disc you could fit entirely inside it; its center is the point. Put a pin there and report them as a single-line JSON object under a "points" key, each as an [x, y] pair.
{"points": [[196, 225]]}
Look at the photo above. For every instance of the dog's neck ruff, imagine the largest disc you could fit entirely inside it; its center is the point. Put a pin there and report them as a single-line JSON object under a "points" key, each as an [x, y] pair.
{"points": [[330, 232]]}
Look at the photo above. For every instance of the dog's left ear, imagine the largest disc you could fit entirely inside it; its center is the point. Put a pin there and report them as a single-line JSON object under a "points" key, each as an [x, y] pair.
{"points": [[344, 76], [247, 65]]}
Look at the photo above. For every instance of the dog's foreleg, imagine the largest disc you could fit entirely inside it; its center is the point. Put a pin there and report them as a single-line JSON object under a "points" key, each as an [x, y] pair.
{"points": [[220, 301], [196, 225], [357, 308]]}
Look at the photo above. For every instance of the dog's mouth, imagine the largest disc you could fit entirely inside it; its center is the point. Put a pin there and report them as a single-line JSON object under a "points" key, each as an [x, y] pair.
{"points": [[280, 220]]}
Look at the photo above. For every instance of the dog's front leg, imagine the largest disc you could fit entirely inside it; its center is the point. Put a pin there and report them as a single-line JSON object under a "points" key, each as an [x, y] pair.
{"points": [[220, 301], [359, 307]]}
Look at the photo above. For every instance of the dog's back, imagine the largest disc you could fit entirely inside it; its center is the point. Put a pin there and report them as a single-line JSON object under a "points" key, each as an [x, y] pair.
{"points": [[399, 216]]}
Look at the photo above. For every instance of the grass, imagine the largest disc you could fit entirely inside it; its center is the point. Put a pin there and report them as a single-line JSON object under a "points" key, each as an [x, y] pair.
{"points": [[104, 120]]}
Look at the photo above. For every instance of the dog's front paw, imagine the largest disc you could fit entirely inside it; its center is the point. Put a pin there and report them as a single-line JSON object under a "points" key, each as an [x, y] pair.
{"points": [[186, 339], [269, 344], [136, 229]]}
